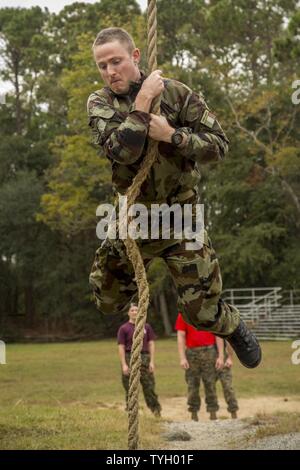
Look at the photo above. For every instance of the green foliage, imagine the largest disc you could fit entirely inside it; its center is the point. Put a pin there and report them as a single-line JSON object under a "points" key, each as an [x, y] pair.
{"points": [[21, 31]]}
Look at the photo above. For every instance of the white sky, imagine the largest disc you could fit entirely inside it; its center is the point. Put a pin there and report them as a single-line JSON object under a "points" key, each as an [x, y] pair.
{"points": [[53, 5]]}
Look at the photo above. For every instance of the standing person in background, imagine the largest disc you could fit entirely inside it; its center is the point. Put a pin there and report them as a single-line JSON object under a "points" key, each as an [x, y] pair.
{"points": [[225, 377], [201, 354], [125, 338]]}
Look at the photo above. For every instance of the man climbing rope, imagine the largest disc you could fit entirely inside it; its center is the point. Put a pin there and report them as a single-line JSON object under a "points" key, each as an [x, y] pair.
{"points": [[188, 134]]}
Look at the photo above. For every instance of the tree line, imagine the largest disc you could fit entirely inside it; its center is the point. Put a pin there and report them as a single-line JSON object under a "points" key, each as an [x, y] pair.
{"points": [[243, 56]]}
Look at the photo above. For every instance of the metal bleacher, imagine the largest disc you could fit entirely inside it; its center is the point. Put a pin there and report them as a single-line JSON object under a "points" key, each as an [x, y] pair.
{"points": [[272, 313]]}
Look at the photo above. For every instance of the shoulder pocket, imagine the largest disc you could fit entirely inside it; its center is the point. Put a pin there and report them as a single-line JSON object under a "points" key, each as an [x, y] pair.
{"points": [[105, 112], [169, 111], [194, 108]]}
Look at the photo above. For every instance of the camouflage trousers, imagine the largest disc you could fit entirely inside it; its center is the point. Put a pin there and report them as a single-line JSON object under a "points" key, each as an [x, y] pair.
{"points": [[196, 274], [202, 362], [225, 377], [147, 382]]}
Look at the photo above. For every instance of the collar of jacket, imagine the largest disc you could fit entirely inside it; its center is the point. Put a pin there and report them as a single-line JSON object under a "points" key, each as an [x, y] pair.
{"points": [[134, 87]]}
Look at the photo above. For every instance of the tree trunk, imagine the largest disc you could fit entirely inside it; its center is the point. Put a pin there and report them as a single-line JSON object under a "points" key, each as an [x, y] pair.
{"points": [[17, 92], [287, 187], [29, 305], [15, 308], [165, 314]]}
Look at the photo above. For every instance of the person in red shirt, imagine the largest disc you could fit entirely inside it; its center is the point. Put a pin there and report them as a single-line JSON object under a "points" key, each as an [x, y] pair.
{"points": [[125, 337], [201, 354]]}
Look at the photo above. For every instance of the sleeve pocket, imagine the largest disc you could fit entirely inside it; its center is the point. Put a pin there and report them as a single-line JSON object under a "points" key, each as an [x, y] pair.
{"points": [[105, 112]]}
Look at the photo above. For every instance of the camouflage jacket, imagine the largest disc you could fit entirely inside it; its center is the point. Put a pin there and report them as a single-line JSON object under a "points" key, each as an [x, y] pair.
{"points": [[121, 131]]}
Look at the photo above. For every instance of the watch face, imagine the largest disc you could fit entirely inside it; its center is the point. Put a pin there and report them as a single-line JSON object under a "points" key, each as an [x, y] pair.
{"points": [[177, 138]]}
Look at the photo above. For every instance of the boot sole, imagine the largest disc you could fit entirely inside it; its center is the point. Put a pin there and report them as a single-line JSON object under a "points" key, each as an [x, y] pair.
{"points": [[255, 364]]}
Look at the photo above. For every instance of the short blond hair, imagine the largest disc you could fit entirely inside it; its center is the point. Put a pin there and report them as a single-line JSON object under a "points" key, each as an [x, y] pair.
{"points": [[115, 34]]}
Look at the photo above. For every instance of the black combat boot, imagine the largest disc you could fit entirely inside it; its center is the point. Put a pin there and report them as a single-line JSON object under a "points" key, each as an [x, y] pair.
{"points": [[245, 345], [213, 415], [195, 416]]}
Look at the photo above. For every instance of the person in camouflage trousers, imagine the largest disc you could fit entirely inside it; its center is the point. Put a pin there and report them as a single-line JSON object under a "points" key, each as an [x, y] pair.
{"points": [[201, 356], [189, 135], [201, 362], [225, 376], [147, 382], [125, 337]]}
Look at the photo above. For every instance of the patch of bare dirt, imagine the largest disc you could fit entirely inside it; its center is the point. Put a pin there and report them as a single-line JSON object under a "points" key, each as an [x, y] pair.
{"points": [[226, 433], [175, 408]]}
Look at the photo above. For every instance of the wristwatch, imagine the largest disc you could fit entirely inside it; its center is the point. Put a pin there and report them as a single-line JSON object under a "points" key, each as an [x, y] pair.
{"points": [[178, 136]]}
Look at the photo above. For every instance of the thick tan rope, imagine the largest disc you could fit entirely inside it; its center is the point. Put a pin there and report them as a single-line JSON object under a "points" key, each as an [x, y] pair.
{"points": [[134, 254]]}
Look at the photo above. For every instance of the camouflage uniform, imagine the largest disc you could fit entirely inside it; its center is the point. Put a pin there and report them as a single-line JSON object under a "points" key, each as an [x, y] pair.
{"points": [[121, 131], [147, 381], [225, 377], [202, 362]]}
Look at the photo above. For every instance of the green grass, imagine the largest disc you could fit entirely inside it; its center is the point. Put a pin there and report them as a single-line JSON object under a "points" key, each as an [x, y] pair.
{"points": [[278, 423], [57, 395], [267, 425], [70, 427]]}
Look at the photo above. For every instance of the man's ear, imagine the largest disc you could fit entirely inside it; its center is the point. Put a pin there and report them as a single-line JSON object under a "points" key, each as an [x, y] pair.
{"points": [[136, 55]]}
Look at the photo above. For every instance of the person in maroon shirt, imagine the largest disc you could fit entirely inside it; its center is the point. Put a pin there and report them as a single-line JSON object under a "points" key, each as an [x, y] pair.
{"points": [[201, 354], [125, 337]]}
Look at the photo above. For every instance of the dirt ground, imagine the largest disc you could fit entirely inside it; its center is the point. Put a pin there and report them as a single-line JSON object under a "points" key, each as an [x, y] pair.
{"points": [[175, 409], [226, 433]]}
